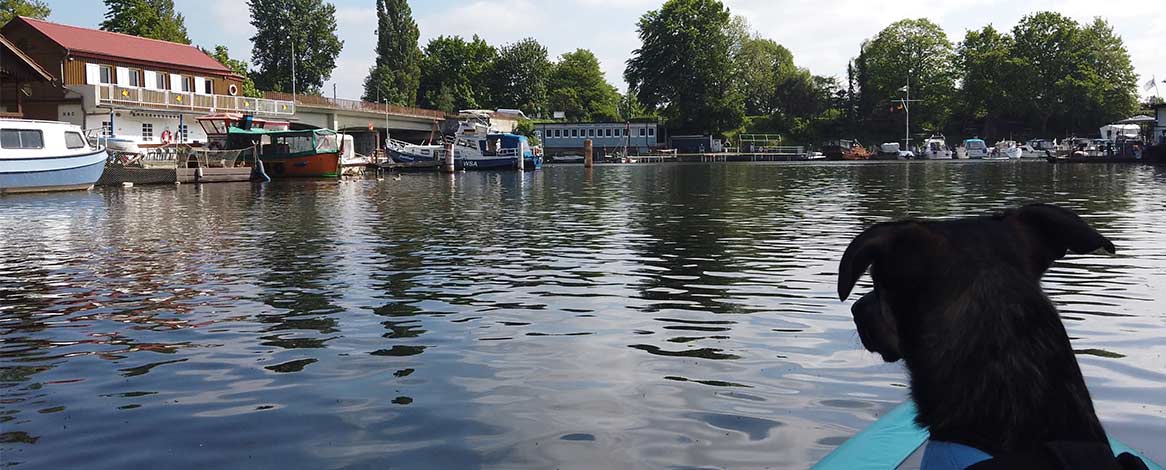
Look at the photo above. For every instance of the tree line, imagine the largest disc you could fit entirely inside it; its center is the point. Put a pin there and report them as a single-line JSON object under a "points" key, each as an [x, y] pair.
{"points": [[701, 70], [706, 72]]}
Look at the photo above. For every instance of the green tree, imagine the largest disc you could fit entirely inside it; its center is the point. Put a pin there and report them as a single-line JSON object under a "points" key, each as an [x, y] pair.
{"points": [[518, 78], [630, 107], [306, 26], [240, 68], [397, 73], [455, 74], [988, 74], [684, 66], [1045, 45], [1108, 75], [579, 89], [30, 8], [761, 64], [154, 19], [914, 51]]}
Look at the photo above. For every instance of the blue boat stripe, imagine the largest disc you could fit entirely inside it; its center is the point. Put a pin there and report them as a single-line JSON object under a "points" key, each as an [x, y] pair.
{"points": [[102, 162]]}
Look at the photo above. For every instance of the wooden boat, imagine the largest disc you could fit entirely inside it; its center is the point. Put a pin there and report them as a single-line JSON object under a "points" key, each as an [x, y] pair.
{"points": [[47, 156]]}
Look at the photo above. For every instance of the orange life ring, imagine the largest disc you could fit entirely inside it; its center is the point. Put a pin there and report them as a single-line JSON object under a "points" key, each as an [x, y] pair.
{"points": [[165, 137]]}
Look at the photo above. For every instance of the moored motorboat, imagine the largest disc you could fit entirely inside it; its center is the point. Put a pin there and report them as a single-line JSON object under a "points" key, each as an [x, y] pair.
{"points": [[856, 152], [935, 148], [976, 149], [42, 156], [1008, 150], [310, 153]]}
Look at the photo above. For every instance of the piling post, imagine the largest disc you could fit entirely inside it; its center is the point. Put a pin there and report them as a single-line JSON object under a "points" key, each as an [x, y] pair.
{"points": [[587, 160], [521, 159], [449, 154]]}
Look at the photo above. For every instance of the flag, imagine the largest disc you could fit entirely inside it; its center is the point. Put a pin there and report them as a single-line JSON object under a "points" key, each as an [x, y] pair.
{"points": [[1150, 84]]}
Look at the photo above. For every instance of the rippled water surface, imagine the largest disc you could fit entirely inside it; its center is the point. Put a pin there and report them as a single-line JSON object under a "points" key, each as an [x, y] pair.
{"points": [[635, 316]]}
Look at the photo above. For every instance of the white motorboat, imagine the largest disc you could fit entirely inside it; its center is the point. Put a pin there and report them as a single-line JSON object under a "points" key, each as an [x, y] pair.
{"points": [[976, 149], [935, 148], [47, 156], [1008, 150]]}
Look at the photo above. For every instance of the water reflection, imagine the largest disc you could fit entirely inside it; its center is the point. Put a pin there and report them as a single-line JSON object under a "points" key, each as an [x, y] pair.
{"points": [[675, 316]]}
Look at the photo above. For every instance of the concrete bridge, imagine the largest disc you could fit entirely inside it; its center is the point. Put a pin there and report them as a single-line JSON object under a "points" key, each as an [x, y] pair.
{"points": [[368, 123]]}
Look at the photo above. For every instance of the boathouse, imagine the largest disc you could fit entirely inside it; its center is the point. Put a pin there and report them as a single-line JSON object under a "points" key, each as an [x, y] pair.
{"points": [[567, 138], [128, 87]]}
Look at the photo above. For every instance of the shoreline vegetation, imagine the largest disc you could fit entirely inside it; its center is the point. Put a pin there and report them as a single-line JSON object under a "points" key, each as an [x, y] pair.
{"points": [[1049, 76]]}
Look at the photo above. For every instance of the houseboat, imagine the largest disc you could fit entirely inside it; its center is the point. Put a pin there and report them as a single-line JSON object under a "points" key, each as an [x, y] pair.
{"points": [[47, 156]]}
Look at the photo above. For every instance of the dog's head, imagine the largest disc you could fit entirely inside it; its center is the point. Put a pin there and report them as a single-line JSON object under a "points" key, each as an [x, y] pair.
{"points": [[921, 268]]}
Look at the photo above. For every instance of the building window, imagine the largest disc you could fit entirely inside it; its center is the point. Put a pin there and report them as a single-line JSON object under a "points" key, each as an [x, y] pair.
{"points": [[160, 81], [643, 132], [617, 132], [208, 87], [609, 132], [187, 84], [106, 74], [147, 132], [136, 79], [21, 139], [652, 131], [574, 132], [183, 133], [106, 129], [558, 133], [591, 133], [74, 140]]}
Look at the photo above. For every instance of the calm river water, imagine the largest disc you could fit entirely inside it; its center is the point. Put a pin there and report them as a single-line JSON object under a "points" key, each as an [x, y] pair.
{"points": [[662, 316]]}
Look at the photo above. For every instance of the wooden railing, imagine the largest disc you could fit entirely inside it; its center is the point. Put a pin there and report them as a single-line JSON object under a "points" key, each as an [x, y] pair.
{"points": [[172, 100], [355, 105]]}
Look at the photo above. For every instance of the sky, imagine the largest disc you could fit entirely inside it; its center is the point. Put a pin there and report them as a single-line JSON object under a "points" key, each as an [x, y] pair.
{"points": [[822, 34]]}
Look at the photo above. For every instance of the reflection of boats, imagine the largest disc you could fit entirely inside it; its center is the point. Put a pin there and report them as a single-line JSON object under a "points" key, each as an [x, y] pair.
{"points": [[47, 156], [935, 148], [855, 152], [976, 149]]}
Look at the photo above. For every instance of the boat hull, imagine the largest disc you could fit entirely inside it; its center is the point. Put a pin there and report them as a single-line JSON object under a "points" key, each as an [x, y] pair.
{"points": [[496, 163], [26, 175], [322, 165]]}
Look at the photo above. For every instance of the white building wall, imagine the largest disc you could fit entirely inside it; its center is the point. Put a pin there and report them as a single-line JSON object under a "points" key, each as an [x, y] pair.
{"points": [[128, 125]]}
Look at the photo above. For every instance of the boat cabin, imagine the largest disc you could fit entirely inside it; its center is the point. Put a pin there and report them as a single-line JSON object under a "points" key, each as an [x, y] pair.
{"points": [[218, 125]]}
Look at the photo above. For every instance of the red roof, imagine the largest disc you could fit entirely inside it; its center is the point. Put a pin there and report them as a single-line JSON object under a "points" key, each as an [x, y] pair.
{"points": [[95, 42]]}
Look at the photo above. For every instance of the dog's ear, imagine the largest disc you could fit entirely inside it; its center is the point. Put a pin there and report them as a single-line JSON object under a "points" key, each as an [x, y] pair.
{"points": [[869, 246], [1059, 231]]}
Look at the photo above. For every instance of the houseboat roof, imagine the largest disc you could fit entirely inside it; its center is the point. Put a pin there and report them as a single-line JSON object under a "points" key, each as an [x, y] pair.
{"points": [[99, 44]]}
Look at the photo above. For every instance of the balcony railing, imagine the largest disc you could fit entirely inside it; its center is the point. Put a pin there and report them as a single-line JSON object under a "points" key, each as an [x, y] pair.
{"points": [[173, 100]]}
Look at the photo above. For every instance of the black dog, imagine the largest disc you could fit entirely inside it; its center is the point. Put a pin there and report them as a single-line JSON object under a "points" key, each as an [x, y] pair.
{"points": [[990, 362]]}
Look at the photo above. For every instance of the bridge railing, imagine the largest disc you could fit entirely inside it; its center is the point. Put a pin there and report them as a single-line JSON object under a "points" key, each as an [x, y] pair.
{"points": [[356, 105]]}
